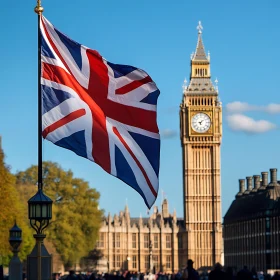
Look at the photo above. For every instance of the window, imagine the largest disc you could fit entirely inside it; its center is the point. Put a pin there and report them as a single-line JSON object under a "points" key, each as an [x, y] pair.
{"points": [[267, 241], [116, 261], [267, 224], [168, 262], [147, 262], [146, 240], [156, 241], [180, 242], [168, 241], [155, 263], [116, 240], [134, 262], [100, 242], [134, 240]]}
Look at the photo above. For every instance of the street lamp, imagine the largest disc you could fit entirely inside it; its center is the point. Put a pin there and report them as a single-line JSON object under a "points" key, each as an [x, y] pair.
{"points": [[15, 267], [15, 238], [39, 212]]}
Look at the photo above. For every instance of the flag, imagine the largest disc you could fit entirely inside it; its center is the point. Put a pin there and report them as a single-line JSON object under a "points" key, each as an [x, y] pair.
{"points": [[102, 111]]}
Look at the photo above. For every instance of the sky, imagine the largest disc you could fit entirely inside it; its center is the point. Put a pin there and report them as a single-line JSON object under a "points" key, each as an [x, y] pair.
{"points": [[158, 36]]}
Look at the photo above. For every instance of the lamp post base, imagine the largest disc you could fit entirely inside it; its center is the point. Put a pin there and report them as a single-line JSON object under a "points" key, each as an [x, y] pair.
{"points": [[15, 268], [39, 262]]}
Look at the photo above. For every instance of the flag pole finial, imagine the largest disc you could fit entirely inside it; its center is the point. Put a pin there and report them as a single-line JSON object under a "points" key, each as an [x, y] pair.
{"points": [[38, 9]]}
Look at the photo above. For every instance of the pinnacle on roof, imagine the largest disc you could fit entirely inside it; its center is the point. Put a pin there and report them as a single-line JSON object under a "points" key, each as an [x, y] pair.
{"points": [[199, 52], [126, 209]]}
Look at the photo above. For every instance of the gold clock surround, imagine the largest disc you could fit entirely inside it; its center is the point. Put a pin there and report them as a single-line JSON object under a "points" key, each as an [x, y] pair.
{"points": [[209, 132]]}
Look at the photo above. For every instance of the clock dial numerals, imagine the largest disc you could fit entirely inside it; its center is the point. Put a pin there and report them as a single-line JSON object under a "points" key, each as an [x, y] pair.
{"points": [[201, 122]]}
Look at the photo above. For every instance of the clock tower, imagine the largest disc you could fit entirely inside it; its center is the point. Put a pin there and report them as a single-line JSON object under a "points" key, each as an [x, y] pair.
{"points": [[201, 134]]}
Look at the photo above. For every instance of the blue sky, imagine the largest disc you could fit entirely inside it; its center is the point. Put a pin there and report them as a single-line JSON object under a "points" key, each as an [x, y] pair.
{"points": [[158, 36]]}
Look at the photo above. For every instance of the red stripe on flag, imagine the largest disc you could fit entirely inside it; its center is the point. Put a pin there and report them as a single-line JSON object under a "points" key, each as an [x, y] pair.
{"points": [[99, 104], [136, 160], [135, 84], [99, 132], [98, 91], [133, 116], [67, 119]]}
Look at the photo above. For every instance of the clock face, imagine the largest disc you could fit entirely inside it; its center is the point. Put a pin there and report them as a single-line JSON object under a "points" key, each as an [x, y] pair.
{"points": [[201, 122]]}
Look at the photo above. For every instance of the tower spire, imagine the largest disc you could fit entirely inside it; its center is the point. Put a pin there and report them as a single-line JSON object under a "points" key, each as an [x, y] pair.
{"points": [[199, 54]]}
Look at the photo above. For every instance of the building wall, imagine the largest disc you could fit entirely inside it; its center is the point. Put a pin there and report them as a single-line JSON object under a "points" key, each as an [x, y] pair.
{"points": [[141, 244], [253, 243], [252, 225]]}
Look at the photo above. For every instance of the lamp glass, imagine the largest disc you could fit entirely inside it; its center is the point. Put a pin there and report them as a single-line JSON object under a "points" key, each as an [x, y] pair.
{"points": [[37, 211], [44, 211]]}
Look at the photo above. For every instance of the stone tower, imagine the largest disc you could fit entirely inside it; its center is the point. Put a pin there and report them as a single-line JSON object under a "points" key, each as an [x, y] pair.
{"points": [[201, 133]]}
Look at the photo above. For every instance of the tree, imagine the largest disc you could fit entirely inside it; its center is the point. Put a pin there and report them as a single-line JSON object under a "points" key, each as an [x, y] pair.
{"points": [[90, 261], [11, 210], [76, 218]]}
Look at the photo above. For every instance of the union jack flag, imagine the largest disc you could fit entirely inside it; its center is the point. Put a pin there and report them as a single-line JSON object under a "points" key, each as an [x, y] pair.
{"points": [[102, 111]]}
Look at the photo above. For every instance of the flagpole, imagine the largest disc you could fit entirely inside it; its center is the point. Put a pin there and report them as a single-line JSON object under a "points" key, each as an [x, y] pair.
{"points": [[39, 236], [39, 10]]}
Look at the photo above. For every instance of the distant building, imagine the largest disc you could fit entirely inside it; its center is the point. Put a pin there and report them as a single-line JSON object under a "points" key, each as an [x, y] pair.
{"points": [[143, 244], [252, 224], [162, 242]]}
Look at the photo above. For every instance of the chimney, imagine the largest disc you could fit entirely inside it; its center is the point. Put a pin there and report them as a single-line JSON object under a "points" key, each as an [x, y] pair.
{"points": [[257, 182], [241, 186], [264, 179], [273, 176], [249, 183]]}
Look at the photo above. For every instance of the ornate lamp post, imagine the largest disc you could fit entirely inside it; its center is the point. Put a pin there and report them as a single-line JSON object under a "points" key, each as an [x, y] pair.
{"points": [[39, 262], [39, 212], [15, 267], [15, 238]]}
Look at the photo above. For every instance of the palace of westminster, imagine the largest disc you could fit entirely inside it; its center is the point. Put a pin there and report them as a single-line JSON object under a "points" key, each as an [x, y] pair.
{"points": [[164, 242]]}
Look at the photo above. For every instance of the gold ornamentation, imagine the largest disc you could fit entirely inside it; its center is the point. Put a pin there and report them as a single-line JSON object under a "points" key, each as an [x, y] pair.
{"points": [[209, 132], [38, 9]]}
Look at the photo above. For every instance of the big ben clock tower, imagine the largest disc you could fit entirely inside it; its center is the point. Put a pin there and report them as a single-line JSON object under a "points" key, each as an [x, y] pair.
{"points": [[201, 134]]}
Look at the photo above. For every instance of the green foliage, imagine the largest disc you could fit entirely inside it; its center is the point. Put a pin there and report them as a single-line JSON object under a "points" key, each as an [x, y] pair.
{"points": [[11, 209], [76, 217]]}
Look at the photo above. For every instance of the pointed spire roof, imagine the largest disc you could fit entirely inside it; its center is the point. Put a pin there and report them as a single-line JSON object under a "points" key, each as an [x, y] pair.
{"points": [[200, 51], [140, 220], [126, 210]]}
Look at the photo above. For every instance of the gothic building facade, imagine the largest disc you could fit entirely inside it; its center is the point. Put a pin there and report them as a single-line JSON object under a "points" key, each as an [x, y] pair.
{"points": [[164, 242], [143, 244], [252, 224]]}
